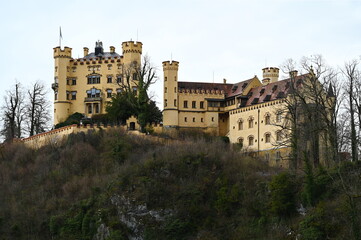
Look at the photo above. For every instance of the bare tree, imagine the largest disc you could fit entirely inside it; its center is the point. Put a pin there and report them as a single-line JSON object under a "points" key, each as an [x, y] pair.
{"points": [[37, 109], [310, 111], [137, 78], [352, 90], [13, 113]]}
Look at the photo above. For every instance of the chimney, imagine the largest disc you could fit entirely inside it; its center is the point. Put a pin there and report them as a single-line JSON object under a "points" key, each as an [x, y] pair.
{"points": [[86, 51], [112, 49], [293, 74], [224, 81], [266, 81]]}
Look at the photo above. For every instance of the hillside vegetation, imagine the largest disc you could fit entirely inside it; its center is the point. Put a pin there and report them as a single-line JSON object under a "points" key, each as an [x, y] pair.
{"points": [[115, 186]]}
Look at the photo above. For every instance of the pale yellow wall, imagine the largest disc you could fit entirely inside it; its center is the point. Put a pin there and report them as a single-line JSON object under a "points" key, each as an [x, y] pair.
{"points": [[68, 68], [170, 93], [260, 128]]}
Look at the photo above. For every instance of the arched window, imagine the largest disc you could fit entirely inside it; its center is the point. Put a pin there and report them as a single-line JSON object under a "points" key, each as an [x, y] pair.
{"points": [[250, 140], [250, 122], [267, 137], [279, 117], [240, 141], [267, 119], [278, 136], [240, 124]]}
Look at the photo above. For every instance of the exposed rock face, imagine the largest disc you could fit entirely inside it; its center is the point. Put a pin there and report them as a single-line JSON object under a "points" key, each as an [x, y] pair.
{"points": [[135, 216], [102, 232]]}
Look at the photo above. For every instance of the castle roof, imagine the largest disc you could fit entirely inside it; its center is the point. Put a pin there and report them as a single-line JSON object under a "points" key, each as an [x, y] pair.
{"points": [[272, 91], [103, 55], [237, 88]]}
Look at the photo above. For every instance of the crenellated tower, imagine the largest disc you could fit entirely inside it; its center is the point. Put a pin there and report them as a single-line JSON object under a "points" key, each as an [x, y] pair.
{"points": [[61, 103], [270, 75], [132, 52], [170, 112]]}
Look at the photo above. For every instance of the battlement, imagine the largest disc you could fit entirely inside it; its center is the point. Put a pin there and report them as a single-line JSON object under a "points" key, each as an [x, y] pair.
{"points": [[170, 65], [65, 53], [270, 70], [132, 47], [272, 73]]}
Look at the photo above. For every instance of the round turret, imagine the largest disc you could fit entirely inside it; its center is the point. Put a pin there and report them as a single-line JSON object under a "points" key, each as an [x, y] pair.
{"points": [[272, 73]]}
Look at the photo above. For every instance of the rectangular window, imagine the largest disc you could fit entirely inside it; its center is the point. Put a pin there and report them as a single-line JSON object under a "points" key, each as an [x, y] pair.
{"points": [[165, 90], [212, 119], [278, 156], [119, 79], [194, 119], [185, 104], [201, 104], [250, 141], [97, 108], [94, 79], [201, 119], [90, 108], [165, 78], [109, 93], [165, 102], [194, 104], [56, 95], [175, 89], [185, 119], [109, 79], [73, 95], [250, 123], [175, 102], [73, 81], [67, 95], [135, 77]]}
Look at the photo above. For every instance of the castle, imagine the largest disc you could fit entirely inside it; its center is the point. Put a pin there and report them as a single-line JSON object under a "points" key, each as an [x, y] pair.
{"points": [[251, 113], [86, 84]]}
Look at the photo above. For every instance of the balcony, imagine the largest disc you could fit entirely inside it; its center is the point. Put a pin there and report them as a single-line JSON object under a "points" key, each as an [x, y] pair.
{"points": [[93, 99], [54, 86]]}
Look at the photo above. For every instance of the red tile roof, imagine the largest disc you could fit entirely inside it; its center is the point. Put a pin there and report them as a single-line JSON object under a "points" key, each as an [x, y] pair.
{"points": [[271, 91]]}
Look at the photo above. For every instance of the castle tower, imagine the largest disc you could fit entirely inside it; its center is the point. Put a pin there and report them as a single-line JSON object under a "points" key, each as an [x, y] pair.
{"points": [[132, 52], [170, 112], [61, 104], [271, 73]]}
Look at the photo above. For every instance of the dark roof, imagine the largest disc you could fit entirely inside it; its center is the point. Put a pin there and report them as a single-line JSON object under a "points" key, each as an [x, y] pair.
{"points": [[237, 88], [103, 55], [272, 91]]}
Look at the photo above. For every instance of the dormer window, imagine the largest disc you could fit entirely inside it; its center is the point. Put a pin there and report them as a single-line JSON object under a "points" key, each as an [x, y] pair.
{"points": [[274, 88], [261, 92]]}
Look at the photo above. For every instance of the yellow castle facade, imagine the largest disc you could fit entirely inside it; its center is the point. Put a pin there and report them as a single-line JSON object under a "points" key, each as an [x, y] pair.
{"points": [[251, 113], [86, 84]]}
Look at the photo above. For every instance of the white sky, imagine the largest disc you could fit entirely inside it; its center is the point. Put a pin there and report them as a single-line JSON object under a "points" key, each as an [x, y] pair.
{"points": [[234, 39]]}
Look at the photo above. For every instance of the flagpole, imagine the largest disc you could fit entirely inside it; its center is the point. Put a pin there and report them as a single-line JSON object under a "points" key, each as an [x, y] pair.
{"points": [[60, 36]]}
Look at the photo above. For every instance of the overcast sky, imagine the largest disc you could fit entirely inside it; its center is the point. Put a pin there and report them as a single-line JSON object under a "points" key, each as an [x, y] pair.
{"points": [[232, 39]]}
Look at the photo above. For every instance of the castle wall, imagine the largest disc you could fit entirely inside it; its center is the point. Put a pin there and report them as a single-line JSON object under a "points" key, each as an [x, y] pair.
{"points": [[71, 76]]}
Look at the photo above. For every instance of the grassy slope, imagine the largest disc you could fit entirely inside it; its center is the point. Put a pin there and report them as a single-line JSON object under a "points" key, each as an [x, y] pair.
{"points": [[199, 189]]}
